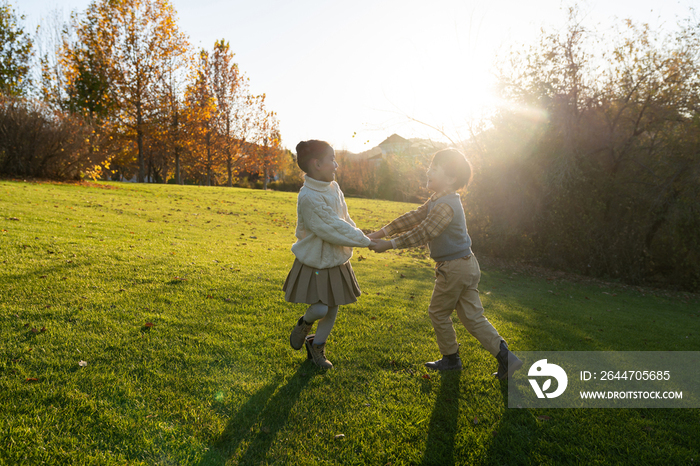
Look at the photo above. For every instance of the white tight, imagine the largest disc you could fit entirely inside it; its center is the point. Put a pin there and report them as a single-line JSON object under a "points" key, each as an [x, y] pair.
{"points": [[326, 318]]}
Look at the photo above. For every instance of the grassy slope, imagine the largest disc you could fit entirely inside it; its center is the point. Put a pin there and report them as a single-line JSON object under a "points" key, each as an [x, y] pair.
{"points": [[214, 380]]}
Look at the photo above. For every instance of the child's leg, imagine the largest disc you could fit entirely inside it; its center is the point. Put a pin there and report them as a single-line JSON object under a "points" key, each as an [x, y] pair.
{"points": [[325, 325], [326, 316], [446, 293], [471, 312], [315, 312]]}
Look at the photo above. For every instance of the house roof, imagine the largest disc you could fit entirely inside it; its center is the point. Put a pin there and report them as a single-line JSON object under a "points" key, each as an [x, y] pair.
{"points": [[394, 139]]}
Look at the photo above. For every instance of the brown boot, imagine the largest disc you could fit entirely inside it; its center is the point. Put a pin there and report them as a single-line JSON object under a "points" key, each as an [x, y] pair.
{"points": [[318, 354], [296, 339]]}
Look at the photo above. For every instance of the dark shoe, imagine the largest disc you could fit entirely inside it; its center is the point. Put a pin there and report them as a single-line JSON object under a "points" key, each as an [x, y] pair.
{"points": [[508, 363], [449, 362], [318, 354], [296, 339], [307, 344]]}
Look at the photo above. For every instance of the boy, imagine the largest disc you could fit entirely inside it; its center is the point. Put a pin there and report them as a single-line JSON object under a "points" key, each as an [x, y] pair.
{"points": [[440, 223]]}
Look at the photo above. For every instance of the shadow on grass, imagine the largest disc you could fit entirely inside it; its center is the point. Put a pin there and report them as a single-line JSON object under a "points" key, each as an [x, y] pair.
{"points": [[514, 437], [251, 431], [439, 448]]}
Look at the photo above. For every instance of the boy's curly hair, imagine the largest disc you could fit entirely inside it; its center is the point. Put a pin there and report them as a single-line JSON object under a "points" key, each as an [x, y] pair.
{"points": [[455, 164]]}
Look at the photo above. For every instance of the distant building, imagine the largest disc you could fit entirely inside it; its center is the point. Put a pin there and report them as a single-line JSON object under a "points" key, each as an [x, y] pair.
{"points": [[395, 144]]}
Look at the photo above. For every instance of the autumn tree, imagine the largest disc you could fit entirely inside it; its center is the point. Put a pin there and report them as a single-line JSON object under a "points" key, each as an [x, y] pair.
{"points": [[15, 53], [133, 40], [229, 87], [170, 115], [202, 116]]}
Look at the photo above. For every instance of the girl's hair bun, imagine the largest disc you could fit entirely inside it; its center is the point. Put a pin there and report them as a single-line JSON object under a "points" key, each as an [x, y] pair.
{"points": [[310, 150]]}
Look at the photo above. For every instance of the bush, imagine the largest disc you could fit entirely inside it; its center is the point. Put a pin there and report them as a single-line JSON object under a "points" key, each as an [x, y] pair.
{"points": [[283, 185], [38, 142]]}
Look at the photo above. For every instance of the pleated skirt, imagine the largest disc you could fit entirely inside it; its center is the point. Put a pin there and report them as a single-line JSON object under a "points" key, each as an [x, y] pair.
{"points": [[336, 286]]}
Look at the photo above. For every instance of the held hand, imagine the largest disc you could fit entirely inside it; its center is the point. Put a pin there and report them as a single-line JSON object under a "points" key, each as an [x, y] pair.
{"points": [[376, 235], [380, 245]]}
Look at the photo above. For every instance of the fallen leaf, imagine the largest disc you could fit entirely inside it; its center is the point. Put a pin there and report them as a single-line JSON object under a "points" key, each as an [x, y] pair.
{"points": [[544, 418], [31, 380], [476, 420], [426, 376], [43, 329], [148, 324]]}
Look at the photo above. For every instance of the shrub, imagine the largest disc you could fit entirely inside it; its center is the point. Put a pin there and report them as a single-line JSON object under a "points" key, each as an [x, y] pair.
{"points": [[38, 142]]}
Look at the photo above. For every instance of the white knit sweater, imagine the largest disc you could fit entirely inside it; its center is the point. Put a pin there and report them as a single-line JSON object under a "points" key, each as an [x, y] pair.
{"points": [[325, 232]]}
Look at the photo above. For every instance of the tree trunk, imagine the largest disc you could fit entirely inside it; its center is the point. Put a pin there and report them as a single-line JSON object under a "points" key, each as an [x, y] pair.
{"points": [[139, 141], [229, 166], [177, 165], [208, 159]]}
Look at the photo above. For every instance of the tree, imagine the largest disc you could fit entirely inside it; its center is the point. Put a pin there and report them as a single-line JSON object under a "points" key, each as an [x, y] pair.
{"points": [[202, 117], [249, 118], [228, 86], [15, 53], [269, 154], [593, 166], [171, 110], [134, 40]]}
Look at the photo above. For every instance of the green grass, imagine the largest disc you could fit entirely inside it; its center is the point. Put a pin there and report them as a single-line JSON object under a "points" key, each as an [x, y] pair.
{"points": [[214, 380]]}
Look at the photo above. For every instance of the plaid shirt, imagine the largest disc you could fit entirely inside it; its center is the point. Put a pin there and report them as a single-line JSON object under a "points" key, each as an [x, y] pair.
{"points": [[419, 225]]}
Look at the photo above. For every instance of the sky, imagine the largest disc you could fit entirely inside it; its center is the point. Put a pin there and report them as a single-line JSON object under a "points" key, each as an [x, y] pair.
{"points": [[353, 73]]}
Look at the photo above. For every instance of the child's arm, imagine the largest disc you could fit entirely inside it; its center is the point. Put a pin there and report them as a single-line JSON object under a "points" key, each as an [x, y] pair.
{"points": [[403, 223], [434, 224], [325, 223]]}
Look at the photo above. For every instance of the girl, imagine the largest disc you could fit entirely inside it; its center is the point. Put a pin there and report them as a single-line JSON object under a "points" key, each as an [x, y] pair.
{"points": [[321, 275]]}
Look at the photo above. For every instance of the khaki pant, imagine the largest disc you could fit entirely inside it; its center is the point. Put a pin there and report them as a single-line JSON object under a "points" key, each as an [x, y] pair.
{"points": [[455, 289]]}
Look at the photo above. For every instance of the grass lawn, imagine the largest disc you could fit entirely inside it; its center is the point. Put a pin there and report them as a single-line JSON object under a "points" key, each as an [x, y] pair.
{"points": [[145, 324]]}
